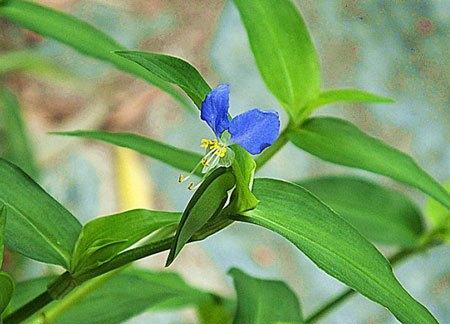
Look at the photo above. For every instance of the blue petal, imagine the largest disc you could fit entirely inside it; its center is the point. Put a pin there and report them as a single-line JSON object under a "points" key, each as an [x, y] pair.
{"points": [[214, 110], [255, 129]]}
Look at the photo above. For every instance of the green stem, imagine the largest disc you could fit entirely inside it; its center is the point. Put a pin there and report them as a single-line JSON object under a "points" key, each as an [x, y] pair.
{"points": [[29, 309], [267, 154], [342, 297], [66, 282], [125, 258]]}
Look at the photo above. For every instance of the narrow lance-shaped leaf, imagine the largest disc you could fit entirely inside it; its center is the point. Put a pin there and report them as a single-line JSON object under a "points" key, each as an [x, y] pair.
{"points": [[333, 245], [173, 70], [340, 142], [348, 95], [37, 226], [284, 51], [344, 95], [81, 36], [382, 215], [178, 158], [207, 201], [103, 238], [19, 150], [256, 298]]}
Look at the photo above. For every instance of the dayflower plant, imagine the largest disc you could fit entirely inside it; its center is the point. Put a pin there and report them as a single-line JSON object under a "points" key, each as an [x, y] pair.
{"points": [[254, 130], [334, 220]]}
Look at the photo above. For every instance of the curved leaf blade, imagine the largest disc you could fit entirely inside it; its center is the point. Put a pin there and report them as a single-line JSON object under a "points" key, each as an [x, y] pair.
{"points": [[256, 297], [37, 226], [178, 158], [173, 70], [103, 238], [207, 201], [333, 245], [80, 36], [338, 141], [347, 95], [382, 215], [19, 149], [283, 50]]}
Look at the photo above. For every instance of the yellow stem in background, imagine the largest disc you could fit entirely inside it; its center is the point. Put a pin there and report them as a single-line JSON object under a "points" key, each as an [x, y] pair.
{"points": [[133, 183], [134, 190]]}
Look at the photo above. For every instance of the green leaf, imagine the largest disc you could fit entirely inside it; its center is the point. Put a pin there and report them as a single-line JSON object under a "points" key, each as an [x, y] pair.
{"points": [[207, 201], [256, 298], [2, 232], [19, 150], [6, 290], [80, 36], [382, 215], [180, 159], [244, 170], [333, 245], [103, 238], [340, 142], [173, 70], [347, 95], [439, 215], [37, 226], [284, 51]]}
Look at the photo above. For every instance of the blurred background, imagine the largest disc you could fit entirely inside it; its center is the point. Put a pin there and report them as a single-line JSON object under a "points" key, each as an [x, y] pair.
{"points": [[395, 48]]}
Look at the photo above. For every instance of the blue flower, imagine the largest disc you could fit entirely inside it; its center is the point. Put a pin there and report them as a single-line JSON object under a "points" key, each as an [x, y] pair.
{"points": [[254, 130]]}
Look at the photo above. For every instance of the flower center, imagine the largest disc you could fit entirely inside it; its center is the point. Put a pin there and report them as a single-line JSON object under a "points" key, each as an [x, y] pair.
{"points": [[215, 151], [215, 147]]}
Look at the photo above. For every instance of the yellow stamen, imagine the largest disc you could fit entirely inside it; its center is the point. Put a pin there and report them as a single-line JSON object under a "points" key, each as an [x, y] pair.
{"points": [[221, 151], [205, 143], [214, 144]]}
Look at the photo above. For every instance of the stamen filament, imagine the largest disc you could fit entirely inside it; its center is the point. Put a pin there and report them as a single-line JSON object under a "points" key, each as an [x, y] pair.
{"points": [[182, 178], [216, 151]]}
